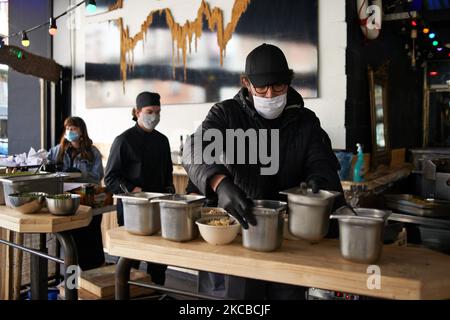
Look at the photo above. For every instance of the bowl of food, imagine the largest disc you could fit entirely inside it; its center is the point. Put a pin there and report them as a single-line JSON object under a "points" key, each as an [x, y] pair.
{"points": [[218, 229], [27, 203], [63, 204]]}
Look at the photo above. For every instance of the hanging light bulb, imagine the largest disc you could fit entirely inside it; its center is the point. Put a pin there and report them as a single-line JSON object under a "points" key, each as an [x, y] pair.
{"points": [[25, 40], [53, 29], [91, 6]]}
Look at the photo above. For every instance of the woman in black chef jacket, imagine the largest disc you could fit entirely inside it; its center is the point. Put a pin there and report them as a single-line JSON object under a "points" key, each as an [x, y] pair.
{"points": [[140, 161]]}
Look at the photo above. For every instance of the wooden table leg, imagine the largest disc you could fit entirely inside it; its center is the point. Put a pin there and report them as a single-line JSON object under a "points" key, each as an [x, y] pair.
{"points": [[18, 263]]}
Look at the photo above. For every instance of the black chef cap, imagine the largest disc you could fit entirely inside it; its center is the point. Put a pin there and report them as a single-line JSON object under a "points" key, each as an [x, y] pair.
{"points": [[147, 99]]}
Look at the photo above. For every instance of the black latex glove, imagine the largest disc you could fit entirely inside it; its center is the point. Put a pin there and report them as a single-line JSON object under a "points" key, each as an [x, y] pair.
{"points": [[72, 169], [235, 202], [316, 184]]}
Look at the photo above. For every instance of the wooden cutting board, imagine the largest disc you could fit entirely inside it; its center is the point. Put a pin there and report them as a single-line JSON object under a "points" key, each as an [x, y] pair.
{"points": [[101, 283]]}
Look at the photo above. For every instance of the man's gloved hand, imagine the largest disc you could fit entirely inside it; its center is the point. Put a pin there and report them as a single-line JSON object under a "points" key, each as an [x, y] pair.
{"points": [[235, 202], [316, 184]]}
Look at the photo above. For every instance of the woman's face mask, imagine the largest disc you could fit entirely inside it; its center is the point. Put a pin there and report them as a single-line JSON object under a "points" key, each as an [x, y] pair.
{"points": [[150, 121], [72, 136], [270, 108]]}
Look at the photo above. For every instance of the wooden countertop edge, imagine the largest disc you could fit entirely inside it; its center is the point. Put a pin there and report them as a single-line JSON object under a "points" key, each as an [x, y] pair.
{"points": [[311, 276]]}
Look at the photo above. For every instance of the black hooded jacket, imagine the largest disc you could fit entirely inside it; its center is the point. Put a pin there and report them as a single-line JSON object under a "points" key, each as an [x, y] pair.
{"points": [[304, 152]]}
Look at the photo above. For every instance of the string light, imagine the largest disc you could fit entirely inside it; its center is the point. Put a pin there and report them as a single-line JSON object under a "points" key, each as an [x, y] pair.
{"points": [[432, 35], [53, 29], [25, 41], [414, 23], [426, 30], [91, 6], [435, 43], [439, 49]]}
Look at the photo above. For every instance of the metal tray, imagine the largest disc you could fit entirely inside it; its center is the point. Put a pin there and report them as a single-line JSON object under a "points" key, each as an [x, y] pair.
{"points": [[418, 206]]}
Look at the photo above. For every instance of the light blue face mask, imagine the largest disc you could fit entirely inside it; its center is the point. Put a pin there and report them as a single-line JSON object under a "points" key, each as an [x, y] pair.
{"points": [[72, 136]]}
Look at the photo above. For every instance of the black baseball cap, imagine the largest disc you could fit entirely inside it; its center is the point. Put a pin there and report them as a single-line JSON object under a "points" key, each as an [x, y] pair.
{"points": [[267, 65]]}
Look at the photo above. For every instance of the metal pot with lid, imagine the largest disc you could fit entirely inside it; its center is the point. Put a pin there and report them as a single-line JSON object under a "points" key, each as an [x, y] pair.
{"points": [[267, 235], [361, 235], [178, 216], [309, 213], [141, 216]]}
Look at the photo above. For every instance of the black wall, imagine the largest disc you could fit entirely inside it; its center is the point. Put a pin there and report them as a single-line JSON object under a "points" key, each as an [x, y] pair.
{"points": [[24, 119], [405, 85]]}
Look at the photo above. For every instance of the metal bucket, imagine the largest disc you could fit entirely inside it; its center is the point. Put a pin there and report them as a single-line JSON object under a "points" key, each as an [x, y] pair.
{"points": [[267, 235], [178, 216], [361, 236], [141, 216], [309, 213]]}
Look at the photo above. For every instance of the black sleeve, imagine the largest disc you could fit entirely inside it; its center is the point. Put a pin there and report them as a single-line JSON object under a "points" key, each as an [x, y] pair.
{"points": [[192, 188], [169, 187], [320, 161], [198, 171], [116, 167]]}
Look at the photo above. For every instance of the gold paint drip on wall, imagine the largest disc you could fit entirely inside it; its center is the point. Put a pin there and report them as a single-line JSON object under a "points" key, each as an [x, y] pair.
{"points": [[182, 35]]}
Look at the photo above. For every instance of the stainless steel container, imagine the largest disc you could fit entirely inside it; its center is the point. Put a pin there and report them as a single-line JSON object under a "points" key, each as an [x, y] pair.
{"points": [[178, 216], [309, 213], [267, 235], [140, 215], [47, 183], [361, 236]]}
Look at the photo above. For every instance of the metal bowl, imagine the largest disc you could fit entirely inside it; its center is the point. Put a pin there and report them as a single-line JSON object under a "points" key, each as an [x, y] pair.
{"points": [[63, 204], [27, 203]]}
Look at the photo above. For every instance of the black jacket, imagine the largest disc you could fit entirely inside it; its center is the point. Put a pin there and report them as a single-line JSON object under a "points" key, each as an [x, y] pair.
{"points": [[305, 149], [140, 159]]}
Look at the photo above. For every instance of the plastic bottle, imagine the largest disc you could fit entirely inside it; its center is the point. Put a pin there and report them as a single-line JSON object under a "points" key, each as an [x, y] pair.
{"points": [[358, 172]]}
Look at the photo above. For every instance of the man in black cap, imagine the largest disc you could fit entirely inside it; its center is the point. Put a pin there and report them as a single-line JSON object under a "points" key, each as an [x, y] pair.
{"points": [[266, 102], [140, 161]]}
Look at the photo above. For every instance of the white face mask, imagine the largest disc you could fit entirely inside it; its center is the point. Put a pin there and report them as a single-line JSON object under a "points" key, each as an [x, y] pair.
{"points": [[270, 108], [150, 121]]}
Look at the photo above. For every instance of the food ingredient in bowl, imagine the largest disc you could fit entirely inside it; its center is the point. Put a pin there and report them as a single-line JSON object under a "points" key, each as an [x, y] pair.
{"points": [[223, 222]]}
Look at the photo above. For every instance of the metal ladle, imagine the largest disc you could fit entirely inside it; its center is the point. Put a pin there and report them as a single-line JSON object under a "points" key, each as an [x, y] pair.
{"points": [[124, 189]]}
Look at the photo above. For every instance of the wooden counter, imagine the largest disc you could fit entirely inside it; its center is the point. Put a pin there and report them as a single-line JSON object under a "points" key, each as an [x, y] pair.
{"points": [[43, 222], [406, 273]]}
